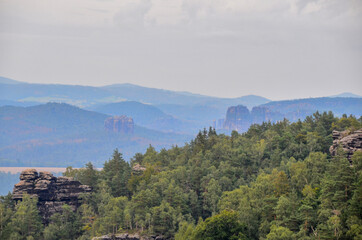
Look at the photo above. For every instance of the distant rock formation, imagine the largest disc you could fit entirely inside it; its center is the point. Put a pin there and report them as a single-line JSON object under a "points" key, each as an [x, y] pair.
{"points": [[219, 123], [126, 236], [264, 114], [119, 124], [52, 192], [237, 118], [350, 142]]}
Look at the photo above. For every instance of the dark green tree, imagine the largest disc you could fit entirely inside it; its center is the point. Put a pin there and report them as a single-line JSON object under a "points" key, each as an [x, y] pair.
{"points": [[65, 225], [6, 212], [26, 223], [116, 173], [223, 226]]}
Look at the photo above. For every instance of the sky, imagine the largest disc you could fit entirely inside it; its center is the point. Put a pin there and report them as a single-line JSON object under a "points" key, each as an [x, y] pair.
{"points": [[279, 49]]}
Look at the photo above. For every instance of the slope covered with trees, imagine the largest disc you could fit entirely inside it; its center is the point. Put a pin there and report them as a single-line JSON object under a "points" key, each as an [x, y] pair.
{"points": [[147, 115], [276, 181], [55, 134]]}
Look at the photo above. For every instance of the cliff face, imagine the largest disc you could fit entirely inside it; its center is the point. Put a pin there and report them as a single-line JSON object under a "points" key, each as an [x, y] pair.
{"points": [[119, 124], [263, 114], [350, 142], [52, 192], [237, 118]]}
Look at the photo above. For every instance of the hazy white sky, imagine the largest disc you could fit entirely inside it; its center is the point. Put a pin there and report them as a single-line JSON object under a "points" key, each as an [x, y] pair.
{"points": [[279, 49]]}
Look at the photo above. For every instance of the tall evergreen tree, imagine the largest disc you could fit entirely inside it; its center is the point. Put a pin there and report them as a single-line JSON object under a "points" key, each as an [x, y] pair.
{"points": [[116, 173], [65, 225], [26, 223]]}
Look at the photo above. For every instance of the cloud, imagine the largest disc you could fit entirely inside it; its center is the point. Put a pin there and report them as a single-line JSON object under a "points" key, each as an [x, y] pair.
{"points": [[219, 47], [131, 14]]}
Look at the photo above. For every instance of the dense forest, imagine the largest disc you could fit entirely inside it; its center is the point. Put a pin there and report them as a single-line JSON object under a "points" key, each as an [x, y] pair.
{"points": [[275, 181]]}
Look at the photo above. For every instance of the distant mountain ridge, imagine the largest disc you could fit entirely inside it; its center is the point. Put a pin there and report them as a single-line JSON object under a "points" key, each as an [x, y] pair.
{"points": [[8, 81], [55, 134], [60, 134], [239, 118], [184, 112], [347, 95], [339, 106], [88, 95]]}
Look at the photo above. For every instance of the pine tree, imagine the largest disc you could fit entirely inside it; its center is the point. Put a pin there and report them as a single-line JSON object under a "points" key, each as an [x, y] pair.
{"points": [[65, 225], [6, 213], [116, 173], [26, 222]]}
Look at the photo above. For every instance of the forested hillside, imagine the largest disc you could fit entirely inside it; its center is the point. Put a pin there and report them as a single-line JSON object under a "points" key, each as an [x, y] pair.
{"points": [[147, 115], [275, 181], [55, 134]]}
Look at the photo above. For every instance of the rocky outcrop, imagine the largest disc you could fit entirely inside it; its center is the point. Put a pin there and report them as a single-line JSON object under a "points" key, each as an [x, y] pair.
{"points": [[264, 114], [52, 192], [119, 124], [350, 142], [126, 236], [237, 118], [137, 169]]}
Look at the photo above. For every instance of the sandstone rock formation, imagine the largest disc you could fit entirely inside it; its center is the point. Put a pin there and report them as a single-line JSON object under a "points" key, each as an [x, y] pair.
{"points": [[264, 114], [138, 169], [52, 192], [119, 124], [126, 236], [237, 118], [350, 142]]}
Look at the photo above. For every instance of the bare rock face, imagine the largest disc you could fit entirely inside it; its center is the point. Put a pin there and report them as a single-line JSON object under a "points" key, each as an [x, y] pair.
{"points": [[264, 114], [119, 124], [52, 192], [237, 118], [126, 236], [137, 169], [350, 142]]}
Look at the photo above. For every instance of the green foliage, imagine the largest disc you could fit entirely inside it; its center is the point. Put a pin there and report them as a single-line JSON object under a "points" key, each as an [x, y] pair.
{"points": [[111, 218], [280, 233], [116, 173], [223, 226], [164, 219], [25, 222], [64, 226], [276, 181], [6, 213], [87, 175], [185, 231]]}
